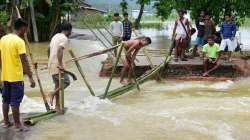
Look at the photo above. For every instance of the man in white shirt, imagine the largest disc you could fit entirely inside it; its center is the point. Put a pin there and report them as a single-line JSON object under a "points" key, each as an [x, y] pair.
{"points": [[56, 52], [116, 28]]}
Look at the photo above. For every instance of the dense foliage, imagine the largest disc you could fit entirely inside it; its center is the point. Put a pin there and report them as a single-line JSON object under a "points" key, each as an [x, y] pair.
{"points": [[48, 13], [238, 8]]}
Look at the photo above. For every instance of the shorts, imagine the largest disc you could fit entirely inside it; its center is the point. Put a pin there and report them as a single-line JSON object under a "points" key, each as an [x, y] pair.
{"points": [[200, 41], [227, 43], [55, 78], [211, 60], [13, 93], [116, 40]]}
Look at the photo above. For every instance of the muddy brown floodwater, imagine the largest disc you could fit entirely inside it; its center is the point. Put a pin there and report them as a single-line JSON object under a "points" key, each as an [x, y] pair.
{"points": [[172, 110]]}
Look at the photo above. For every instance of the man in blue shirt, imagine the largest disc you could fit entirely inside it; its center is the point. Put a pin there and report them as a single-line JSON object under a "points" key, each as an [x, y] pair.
{"points": [[228, 31]]}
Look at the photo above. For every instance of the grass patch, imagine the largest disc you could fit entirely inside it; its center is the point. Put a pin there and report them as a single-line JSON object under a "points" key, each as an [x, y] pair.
{"points": [[246, 23]]}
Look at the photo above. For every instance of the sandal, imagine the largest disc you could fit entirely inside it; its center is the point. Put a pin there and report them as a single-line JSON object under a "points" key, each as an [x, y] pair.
{"points": [[3, 125]]}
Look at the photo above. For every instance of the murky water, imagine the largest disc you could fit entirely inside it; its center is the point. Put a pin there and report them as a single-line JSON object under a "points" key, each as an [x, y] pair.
{"points": [[172, 110]]}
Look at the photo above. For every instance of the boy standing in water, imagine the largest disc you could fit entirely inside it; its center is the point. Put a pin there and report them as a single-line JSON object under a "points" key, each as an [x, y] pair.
{"points": [[14, 63], [58, 43], [228, 31], [211, 55], [116, 28], [127, 28], [181, 35], [132, 47]]}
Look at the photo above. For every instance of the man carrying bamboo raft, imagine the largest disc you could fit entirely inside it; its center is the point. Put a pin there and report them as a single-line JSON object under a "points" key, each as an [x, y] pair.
{"points": [[57, 45], [14, 63], [132, 47]]}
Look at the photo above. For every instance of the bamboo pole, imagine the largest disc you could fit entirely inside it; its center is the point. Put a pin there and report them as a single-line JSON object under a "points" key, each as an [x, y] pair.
{"points": [[113, 71], [94, 54], [33, 121], [100, 31], [82, 73], [103, 26], [39, 115], [35, 67], [95, 34], [61, 95], [45, 61], [151, 63], [107, 30], [33, 20], [119, 91], [134, 77]]}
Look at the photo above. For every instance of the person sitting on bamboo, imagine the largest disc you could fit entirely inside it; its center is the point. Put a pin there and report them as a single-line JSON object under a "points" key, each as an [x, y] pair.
{"points": [[211, 55], [58, 43], [132, 47]]}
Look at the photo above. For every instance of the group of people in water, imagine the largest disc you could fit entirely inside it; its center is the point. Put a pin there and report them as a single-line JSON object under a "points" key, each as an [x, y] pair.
{"points": [[14, 62], [207, 41]]}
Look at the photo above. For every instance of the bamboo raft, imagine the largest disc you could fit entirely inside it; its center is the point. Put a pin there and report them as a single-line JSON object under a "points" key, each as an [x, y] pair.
{"points": [[147, 76]]}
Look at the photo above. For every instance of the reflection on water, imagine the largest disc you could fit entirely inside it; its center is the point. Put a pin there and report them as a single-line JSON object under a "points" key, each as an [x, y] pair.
{"points": [[172, 110]]}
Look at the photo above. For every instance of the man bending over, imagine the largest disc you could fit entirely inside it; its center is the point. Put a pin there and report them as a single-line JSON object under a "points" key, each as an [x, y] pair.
{"points": [[132, 47]]}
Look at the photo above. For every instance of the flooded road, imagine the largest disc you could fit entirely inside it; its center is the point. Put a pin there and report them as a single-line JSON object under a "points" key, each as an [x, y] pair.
{"points": [[172, 110]]}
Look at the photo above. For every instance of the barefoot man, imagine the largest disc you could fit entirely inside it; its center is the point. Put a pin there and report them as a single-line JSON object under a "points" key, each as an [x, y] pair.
{"points": [[132, 47], [211, 54], [14, 63], [56, 52]]}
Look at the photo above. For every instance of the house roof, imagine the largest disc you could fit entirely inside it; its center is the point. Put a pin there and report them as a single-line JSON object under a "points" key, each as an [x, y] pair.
{"points": [[86, 6]]}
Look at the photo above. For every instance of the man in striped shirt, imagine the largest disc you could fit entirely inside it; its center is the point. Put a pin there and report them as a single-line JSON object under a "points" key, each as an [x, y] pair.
{"points": [[127, 28]]}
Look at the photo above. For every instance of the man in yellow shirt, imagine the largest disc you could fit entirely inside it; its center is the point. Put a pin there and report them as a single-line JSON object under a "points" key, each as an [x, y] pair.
{"points": [[14, 63], [211, 55]]}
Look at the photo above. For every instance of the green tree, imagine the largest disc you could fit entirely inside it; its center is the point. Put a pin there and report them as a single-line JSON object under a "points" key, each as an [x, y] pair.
{"points": [[142, 4], [238, 8], [124, 6], [47, 13]]}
